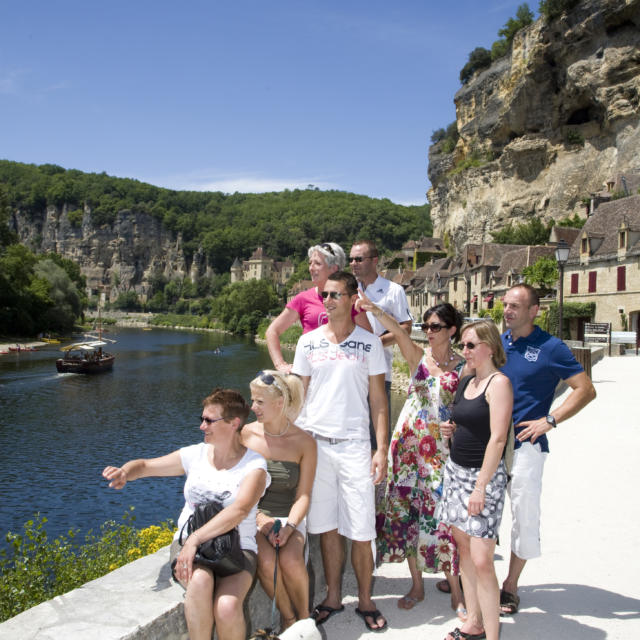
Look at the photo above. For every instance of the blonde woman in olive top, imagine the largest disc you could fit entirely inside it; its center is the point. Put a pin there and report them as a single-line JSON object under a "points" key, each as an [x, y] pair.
{"points": [[291, 461]]}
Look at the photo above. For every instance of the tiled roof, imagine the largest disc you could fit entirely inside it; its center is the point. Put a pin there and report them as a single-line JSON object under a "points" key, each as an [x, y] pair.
{"points": [[605, 223], [568, 234]]}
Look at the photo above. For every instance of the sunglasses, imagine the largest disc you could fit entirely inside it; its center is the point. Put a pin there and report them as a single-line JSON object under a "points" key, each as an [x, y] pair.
{"points": [[209, 421], [359, 258], [433, 326], [269, 380], [469, 345], [334, 295], [327, 247]]}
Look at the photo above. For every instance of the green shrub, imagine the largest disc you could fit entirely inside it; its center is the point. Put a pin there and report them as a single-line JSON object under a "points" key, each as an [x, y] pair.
{"points": [[573, 136], [479, 58], [291, 335], [35, 569], [75, 217], [551, 9]]}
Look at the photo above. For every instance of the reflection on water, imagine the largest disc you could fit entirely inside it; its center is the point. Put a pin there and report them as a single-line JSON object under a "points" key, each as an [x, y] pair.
{"points": [[58, 431]]}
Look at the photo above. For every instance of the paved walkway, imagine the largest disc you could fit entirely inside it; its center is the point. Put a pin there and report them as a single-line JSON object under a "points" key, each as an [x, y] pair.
{"points": [[586, 586]]}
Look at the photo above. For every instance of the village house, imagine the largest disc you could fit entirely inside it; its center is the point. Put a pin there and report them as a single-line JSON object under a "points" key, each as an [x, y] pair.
{"points": [[604, 262], [260, 267]]}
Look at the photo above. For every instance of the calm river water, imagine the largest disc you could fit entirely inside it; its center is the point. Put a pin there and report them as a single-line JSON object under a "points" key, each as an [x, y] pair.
{"points": [[58, 431]]}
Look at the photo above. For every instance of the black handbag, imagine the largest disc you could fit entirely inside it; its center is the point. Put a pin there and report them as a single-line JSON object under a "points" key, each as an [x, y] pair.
{"points": [[222, 554]]}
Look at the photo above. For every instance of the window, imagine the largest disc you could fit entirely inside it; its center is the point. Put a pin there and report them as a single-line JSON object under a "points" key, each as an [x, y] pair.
{"points": [[592, 281], [622, 278], [574, 282], [455, 284], [584, 247], [622, 240]]}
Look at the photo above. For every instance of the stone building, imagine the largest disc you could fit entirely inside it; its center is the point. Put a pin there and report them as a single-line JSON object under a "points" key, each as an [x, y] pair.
{"points": [[604, 264], [260, 267]]}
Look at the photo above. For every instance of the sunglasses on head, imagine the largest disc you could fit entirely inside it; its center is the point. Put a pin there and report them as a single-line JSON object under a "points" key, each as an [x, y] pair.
{"points": [[433, 326], [327, 247], [209, 421], [269, 380], [334, 295]]}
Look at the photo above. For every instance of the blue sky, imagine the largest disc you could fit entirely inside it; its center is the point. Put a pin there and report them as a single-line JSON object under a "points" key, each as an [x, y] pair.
{"points": [[238, 96]]}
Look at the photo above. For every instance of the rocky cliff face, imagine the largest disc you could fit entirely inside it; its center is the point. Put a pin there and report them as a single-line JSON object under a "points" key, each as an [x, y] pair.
{"points": [[120, 257], [549, 123]]}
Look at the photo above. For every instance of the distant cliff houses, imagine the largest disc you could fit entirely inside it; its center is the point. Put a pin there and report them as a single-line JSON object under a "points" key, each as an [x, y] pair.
{"points": [[260, 267]]}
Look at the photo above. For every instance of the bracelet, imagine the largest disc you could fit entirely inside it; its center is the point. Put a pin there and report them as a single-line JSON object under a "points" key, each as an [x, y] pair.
{"points": [[378, 312], [478, 489], [290, 524]]}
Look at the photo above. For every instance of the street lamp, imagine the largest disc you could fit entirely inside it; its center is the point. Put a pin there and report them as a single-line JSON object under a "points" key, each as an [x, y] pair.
{"points": [[562, 255]]}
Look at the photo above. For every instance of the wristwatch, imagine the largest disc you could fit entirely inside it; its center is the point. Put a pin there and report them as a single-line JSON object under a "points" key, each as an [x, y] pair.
{"points": [[552, 421]]}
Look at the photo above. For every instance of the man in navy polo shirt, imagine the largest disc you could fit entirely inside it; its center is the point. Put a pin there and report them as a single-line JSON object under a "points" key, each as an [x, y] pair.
{"points": [[536, 363]]}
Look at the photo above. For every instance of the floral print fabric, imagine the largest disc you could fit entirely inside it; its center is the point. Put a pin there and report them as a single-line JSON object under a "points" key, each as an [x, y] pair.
{"points": [[405, 521]]}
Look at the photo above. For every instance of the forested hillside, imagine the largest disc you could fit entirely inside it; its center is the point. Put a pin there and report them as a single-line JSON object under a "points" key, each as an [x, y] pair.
{"points": [[225, 226]]}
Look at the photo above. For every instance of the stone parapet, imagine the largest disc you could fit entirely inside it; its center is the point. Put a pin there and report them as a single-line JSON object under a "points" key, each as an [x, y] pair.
{"points": [[138, 601]]}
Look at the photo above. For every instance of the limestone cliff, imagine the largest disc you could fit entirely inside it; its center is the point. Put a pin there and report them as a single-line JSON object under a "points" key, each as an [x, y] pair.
{"points": [[118, 257], [550, 123]]}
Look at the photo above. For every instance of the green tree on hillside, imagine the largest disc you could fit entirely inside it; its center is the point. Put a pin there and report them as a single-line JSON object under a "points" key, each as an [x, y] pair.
{"points": [[532, 232], [524, 17], [551, 9], [479, 58], [242, 305]]}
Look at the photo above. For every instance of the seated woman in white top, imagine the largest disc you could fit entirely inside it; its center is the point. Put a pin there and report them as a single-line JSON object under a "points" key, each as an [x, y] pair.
{"points": [[220, 468]]}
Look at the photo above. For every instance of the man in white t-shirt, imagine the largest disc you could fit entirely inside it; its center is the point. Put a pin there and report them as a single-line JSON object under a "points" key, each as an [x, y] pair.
{"points": [[387, 295], [341, 365]]}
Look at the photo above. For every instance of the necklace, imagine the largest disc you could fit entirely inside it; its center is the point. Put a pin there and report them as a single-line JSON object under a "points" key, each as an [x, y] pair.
{"points": [[450, 357], [278, 435]]}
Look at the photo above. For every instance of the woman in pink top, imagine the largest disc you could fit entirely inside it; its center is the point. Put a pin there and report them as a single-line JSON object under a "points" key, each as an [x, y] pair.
{"points": [[307, 307]]}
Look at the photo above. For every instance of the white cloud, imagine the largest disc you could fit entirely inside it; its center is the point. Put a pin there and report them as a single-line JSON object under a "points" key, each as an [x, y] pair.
{"points": [[241, 182]]}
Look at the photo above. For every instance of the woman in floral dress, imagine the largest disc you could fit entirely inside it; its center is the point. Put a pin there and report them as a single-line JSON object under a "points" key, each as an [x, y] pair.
{"points": [[406, 525]]}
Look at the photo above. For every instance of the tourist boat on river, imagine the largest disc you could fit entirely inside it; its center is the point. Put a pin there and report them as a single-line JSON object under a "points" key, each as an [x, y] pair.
{"points": [[87, 356]]}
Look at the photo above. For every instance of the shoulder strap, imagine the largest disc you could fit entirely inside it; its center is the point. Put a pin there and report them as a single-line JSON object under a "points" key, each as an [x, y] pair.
{"points": [[486, 386]]}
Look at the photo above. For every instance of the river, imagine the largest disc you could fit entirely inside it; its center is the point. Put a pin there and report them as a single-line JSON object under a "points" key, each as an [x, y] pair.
{"points": [[58, 431]]}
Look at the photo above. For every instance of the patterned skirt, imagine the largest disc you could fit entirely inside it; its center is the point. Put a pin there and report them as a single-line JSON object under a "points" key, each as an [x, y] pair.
{"points": [[459, 482]]}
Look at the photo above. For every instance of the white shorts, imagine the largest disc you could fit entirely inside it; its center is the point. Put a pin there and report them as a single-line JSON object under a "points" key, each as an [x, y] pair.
{"points": [[343, 491], [524, 490]]}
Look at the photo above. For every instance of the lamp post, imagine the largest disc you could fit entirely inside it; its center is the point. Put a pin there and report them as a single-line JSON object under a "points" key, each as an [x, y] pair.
{"points": [[562, 255]]}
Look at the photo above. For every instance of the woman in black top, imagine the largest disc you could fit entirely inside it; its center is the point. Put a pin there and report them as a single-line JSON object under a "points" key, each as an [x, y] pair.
{"points": [[475, 478]]}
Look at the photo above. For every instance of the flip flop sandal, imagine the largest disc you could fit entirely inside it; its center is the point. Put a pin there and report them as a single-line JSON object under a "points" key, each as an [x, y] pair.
{"points": [[456, 634], [374, 615], [323, 608]]}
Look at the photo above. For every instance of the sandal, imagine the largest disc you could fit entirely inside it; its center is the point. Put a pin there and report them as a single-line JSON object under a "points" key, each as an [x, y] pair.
{"points": [[323, 608], [456, 634], [509, 602], [374, 615], [409, 602]]}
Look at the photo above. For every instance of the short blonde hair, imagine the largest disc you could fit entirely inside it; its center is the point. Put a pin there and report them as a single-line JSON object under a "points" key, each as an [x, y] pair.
{"points": [[487, 332], [285, 385]]}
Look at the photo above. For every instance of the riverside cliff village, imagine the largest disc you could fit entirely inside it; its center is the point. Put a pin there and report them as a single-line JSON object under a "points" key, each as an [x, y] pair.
{"points": [[603, 268]]}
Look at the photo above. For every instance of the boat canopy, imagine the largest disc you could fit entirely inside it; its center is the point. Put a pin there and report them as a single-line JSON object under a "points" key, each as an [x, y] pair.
{"points": [[85, 346]]}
